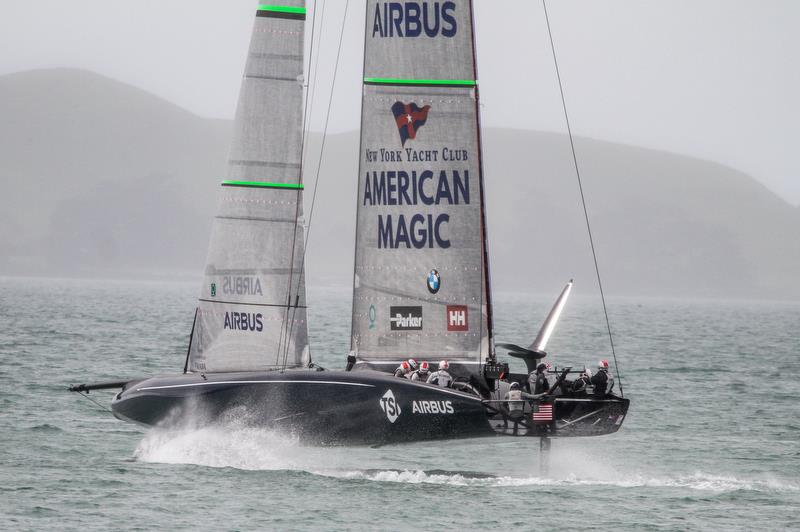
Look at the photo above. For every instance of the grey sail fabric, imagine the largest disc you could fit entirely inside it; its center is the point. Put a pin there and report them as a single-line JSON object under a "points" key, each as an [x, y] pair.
{"points": [[420, 283], [252, 314]]}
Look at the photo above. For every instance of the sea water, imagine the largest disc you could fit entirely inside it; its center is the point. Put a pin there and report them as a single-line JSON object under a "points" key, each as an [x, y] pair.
{"points": [[710, 442]]}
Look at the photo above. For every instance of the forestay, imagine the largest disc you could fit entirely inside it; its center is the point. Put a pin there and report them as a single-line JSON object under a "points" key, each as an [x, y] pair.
{"points": [[420, 283], [252, 312]]}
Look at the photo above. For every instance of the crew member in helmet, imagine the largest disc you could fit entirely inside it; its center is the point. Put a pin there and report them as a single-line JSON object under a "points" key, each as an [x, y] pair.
{"points": [[578, 387], [514, 404], [600, 380], [403, 369], [537, 380], [441, 377], [422, 373]]}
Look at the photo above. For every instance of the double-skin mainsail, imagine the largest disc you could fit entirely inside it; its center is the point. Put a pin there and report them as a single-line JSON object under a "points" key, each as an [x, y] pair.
{"points": [[421, 282]]}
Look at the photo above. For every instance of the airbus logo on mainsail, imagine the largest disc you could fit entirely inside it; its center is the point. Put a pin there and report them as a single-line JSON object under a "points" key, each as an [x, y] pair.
{"points": [[413, 19]]}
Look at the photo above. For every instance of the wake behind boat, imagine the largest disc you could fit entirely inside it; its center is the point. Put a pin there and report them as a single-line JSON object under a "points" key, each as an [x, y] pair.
{"points": [[421, 285]]}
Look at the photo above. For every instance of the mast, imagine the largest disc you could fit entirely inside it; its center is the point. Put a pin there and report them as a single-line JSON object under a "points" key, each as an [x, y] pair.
{"points": [[421, 285], [252, 311], [486, 276]]}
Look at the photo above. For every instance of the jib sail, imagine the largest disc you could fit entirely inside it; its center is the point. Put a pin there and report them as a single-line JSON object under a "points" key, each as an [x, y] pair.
{"points": [[421, 280], [252, 311]]}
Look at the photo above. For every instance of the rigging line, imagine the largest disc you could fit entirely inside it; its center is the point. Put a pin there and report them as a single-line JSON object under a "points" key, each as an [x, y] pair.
{"points": [[284, 335], [583, 199], [325, 128], [306, 119], [321, 153], [313, 79], [95, 402]]}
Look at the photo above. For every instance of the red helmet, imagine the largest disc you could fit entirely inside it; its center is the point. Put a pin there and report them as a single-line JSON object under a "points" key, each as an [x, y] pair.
{"points": [[444, 364], [603, 364], [424, 368], [405, 366]]}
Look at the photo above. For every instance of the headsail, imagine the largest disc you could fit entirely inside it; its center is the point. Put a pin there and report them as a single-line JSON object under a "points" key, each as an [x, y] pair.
{"points": [[421, 279], [252, 314]]}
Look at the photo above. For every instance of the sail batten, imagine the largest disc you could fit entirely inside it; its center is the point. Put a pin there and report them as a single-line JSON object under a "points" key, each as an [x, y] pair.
{"points": [[420, 284], [423, 82], [252, 308]]}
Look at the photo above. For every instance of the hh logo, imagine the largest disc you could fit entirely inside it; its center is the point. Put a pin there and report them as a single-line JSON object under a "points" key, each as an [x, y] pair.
{"points": [[390, 406], [457, 318]]}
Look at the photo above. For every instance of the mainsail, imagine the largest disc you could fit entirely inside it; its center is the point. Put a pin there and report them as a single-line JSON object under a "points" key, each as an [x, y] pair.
{"points": [[252, 314], [421, 280]]}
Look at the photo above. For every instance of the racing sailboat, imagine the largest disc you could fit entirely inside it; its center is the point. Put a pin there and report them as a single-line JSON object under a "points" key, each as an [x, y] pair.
{"points": [[421, 282]]}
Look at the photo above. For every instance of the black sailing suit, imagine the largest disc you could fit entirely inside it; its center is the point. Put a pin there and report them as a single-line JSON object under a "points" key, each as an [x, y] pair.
{"points": [[537, 383], [600, 382]]}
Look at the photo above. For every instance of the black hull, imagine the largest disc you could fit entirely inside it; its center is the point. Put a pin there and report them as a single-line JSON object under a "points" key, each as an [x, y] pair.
{"points": [[352, 408]]}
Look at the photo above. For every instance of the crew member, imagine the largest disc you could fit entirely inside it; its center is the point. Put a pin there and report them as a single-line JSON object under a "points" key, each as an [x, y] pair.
{"points": [[578, 386], [600, 379], [441, 377], [403, 369], [514, 404], [537, 380], [422, 373]]}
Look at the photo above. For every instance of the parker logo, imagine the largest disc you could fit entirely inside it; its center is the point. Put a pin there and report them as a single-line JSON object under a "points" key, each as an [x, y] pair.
{"points": [[405, 318], [457, 318], [390, 406], [432, 407]]}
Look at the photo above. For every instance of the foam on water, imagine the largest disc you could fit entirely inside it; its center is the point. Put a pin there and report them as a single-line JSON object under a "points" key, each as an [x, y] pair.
{"points": [[264, 450], [697, 481], [241, 448]]}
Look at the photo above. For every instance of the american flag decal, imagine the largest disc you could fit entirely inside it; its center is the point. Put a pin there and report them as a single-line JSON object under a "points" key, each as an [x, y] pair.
{"points": [[543, 413]]}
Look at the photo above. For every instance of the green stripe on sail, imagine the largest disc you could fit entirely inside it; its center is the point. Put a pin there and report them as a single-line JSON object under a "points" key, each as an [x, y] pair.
{"points": [[261, 184], [440, 82], [282, 9]]}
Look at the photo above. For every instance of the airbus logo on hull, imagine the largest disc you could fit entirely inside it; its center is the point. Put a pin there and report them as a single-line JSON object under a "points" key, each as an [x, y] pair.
{"points": [[432, 407]]}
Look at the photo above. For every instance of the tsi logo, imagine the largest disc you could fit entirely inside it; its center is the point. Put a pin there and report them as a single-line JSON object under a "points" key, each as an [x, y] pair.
{"points": [[390, 406], [432, 407]]}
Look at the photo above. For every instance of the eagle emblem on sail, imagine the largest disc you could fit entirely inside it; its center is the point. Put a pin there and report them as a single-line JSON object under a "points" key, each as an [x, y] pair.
{"points": [[409, 118]]}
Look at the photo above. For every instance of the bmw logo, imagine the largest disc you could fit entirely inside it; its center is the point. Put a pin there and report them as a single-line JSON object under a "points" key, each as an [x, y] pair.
{"points": [[434, 282]]}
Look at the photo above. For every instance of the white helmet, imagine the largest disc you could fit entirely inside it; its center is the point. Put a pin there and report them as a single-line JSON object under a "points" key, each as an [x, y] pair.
{"points": [[444, 364], [602, 364], [423, 367], [412, 363]]}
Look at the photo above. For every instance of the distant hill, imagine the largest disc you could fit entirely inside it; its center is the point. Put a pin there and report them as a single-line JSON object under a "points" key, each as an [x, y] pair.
{"points": [[103, 179]]}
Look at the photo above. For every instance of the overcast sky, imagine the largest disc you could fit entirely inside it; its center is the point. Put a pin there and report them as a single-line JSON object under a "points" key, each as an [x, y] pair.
{"points": [[717, 79]]}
